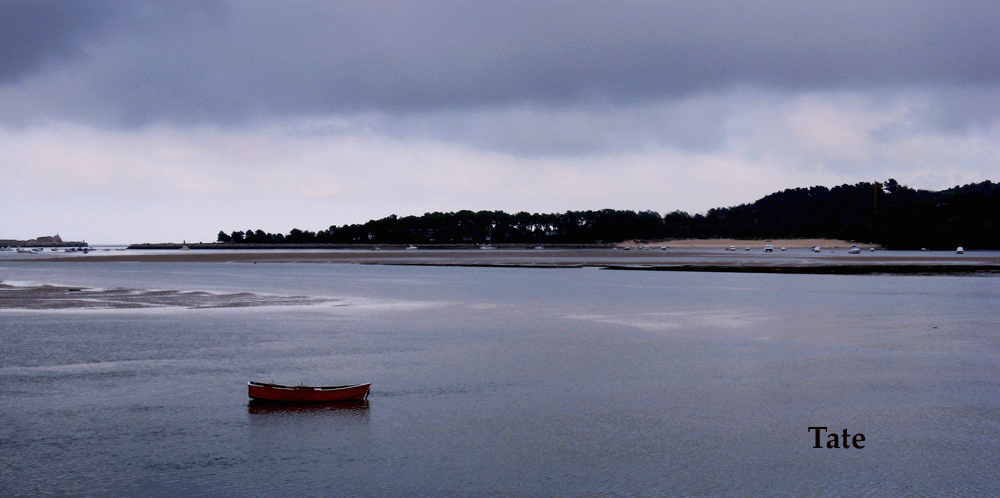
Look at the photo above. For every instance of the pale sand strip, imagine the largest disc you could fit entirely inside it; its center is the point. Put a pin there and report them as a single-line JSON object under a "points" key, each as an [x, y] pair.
{"points": [[754, 244]]}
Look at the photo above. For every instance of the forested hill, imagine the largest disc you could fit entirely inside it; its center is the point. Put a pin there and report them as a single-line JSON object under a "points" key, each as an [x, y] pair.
{"points": [[888, 213]]}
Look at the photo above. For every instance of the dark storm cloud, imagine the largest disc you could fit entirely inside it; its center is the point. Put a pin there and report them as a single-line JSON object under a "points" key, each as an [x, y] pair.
{"points": [[33, 32], [185, 62]]}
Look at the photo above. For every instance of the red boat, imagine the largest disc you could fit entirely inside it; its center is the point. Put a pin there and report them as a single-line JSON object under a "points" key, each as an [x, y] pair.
{"points": [[306, 394]]}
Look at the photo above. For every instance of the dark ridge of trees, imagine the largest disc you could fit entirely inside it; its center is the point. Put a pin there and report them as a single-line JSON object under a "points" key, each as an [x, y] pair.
{"points": [[888, 213], [967, 215], [572, 227]]}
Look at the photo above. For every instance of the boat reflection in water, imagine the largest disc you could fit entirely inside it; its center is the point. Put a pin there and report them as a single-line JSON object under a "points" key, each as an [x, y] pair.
{"points": [[264, 407]]}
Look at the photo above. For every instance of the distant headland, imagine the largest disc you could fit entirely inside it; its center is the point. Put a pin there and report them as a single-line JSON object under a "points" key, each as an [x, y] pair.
{"points": [[887, 214], [45, 241]]}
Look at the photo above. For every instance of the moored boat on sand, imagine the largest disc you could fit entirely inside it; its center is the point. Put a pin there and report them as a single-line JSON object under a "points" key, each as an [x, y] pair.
{"points": [[306, 394]]}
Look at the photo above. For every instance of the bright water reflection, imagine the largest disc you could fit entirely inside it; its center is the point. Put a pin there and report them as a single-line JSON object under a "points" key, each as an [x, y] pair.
{"points": [[513, 382]]}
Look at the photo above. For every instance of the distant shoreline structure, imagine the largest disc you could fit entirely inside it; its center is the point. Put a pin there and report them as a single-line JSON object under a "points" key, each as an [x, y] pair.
{"points": [[45, 241]]}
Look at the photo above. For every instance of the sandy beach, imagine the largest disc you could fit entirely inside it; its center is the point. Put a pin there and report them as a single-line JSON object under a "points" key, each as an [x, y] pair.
{"points": [[754, 244]]}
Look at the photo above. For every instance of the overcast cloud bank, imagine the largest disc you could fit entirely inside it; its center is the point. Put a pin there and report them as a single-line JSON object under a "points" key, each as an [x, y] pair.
{"points": [[172, 120]]}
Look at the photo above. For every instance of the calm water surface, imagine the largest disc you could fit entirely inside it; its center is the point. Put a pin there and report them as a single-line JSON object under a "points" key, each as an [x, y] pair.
{"points": [[504, 382]]}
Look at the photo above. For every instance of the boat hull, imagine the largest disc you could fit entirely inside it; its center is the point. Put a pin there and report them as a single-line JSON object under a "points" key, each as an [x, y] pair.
{"points": [[306, 394]]}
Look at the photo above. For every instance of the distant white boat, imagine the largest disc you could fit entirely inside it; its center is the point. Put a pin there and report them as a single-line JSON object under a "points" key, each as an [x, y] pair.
{"points": [[854, 250], [731, 248], [489, 238], [185, 248], [539, 247], [747, 248], [816, 249], [960, 250], [768, 248], [411, 247], [783, 248], [871, 249]]}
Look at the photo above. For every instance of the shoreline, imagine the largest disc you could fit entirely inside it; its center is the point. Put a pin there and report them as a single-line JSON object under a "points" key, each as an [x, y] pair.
{"points": [[631, 244], [753, 243], [831, 261]]}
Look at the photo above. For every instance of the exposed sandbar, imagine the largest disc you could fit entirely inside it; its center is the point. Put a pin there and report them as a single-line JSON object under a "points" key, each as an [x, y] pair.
{"points": [[55, 297], [794, 260], [753, 243]]}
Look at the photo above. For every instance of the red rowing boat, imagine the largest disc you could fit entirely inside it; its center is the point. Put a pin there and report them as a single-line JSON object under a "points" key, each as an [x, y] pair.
{"points": [[306, 394]]}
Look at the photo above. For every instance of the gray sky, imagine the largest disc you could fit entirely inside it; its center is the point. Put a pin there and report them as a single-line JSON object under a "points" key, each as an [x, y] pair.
{"points": [[164, 121]]}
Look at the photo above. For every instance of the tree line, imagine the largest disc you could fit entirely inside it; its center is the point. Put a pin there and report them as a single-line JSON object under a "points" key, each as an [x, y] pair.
{"points": [[886, 213]]}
